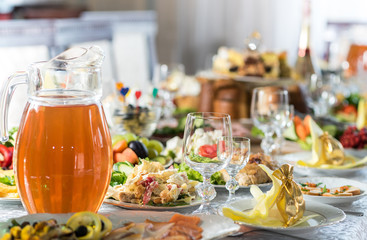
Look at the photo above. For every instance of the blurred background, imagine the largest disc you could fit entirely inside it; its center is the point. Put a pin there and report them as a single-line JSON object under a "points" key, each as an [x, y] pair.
{"points": [[137, 35]]}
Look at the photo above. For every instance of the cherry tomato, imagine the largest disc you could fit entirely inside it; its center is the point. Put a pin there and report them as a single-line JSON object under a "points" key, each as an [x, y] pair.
{"points": [[209, 151]]}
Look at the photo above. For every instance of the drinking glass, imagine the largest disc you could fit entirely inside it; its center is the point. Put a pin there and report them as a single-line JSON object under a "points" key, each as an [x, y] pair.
{"points": [[321, 94], [205, 152], [168, 78], [265, 105], [240, 156], [283, 121]]}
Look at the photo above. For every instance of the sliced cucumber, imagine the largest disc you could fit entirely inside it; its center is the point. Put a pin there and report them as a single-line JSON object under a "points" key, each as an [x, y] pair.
{"points": [[290, 133], [124, 167]]}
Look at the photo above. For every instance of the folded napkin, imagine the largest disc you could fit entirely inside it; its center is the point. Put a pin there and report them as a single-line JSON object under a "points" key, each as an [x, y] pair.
{"points": [[361, 114], [327, 152], [281, 206]]}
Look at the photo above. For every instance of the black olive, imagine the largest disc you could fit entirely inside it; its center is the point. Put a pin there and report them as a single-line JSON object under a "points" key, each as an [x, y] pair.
{"points": [[102, 225], [139, 148], [234, 69], [268, 69], [81, 231], [24, 224]]}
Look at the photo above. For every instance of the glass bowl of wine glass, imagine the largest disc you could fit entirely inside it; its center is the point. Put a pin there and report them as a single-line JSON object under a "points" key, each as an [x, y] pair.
{"points": [[206, 151]]}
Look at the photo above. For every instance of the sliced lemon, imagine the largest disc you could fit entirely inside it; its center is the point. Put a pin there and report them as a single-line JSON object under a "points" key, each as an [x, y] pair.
{"points": [[88, 219], [106, 225]]}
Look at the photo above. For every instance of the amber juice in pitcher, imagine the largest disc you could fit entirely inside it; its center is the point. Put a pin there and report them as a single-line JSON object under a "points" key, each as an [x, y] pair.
{"points": [[62, 153], [63, 158]]}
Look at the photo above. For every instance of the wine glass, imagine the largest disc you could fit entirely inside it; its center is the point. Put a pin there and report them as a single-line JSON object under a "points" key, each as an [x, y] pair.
{"points": [[205, 152], [283, 121], [265, 105], [321, 94], [168, 78], [240, 156]]}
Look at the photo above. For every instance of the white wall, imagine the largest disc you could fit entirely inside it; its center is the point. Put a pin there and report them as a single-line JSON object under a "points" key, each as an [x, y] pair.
{"points": [[192, 30]]}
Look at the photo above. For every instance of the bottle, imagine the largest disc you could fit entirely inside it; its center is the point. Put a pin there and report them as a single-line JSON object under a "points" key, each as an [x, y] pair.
{"points": [[304, 65]]}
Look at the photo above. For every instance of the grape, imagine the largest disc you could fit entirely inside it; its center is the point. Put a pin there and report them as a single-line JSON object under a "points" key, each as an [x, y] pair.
{"points": [[117, 138], [130, 137], [354, 138], [157, 145], [152, 153], [144, 140]]}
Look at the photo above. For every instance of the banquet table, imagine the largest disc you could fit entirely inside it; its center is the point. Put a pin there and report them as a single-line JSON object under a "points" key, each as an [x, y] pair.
{"points": [[353, 227]]}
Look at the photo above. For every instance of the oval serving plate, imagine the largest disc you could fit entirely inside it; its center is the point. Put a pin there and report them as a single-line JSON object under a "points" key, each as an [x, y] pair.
{"points": [[326, 215], [213, 226], [150, 207], [5, 200], [331, 182]]}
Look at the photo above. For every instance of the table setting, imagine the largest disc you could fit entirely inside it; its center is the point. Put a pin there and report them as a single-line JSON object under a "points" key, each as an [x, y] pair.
{"points": [[65, 173]]}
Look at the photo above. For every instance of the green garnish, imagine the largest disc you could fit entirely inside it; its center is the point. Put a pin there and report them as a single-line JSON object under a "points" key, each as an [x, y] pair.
{"points": [[303, 184], [7, 180], [318, 184], [216, 178], [14, 223], [201, 159], [117, 178], [324, 190]]}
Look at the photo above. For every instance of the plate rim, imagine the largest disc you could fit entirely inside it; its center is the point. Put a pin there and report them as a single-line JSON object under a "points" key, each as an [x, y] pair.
{"points": [[8, 200], [246, 187], [134, 206], [302, 228], [332, 171]]}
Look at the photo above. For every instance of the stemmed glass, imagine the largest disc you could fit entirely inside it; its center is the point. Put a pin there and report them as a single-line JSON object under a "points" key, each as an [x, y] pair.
{"points": [[265, 105], [168, 78], [205, 152], [240, 157], [321, 94], [283, 121]]}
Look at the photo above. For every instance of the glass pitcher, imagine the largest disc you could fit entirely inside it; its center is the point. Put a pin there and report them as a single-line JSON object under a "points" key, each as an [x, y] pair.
{"points": [[62, 153]]}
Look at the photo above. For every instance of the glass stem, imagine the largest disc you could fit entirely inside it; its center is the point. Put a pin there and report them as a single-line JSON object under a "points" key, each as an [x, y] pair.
{"points": [[267, 142], [206, 196], [231, 192]]}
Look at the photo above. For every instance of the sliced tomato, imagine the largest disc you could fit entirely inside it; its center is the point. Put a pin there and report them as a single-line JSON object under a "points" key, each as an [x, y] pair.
{"points": [[209, 151]]}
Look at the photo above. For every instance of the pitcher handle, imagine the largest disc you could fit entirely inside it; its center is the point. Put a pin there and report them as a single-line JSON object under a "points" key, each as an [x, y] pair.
{"points": [[6, 94]]}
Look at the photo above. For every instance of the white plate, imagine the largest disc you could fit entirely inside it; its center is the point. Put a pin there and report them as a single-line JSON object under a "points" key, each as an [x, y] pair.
{"points": [[214, 226], [292, 159], [332, 182], [262, 185], [4, 200], [149, 207], [327, 215]]}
